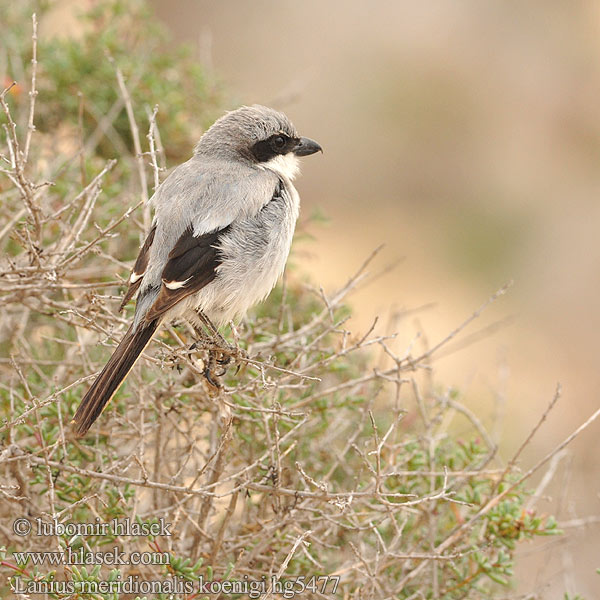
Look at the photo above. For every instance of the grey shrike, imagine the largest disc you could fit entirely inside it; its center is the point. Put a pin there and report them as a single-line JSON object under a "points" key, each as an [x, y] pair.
{"points": [[220, 237]]}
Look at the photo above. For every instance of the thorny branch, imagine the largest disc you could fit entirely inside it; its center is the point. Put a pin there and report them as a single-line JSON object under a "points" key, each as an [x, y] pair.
{"points": [[309, 453]]}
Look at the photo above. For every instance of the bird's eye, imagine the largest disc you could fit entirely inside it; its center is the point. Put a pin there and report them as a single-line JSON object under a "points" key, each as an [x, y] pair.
{"points": [[278, 142]]}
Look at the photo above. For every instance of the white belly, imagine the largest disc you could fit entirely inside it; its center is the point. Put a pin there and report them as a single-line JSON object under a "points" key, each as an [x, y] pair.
{"points": [[253, 258]]}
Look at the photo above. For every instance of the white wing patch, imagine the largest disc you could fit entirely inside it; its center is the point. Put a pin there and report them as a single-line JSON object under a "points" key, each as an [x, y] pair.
{"points": [[135, 277], [175, 285]]}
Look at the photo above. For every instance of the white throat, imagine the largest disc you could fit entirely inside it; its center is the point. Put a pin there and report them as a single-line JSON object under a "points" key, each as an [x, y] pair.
{"points": [[286, 165]]}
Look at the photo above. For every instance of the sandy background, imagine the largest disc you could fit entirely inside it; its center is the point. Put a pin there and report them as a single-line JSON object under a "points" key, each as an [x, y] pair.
{"points": [[466, 137]]}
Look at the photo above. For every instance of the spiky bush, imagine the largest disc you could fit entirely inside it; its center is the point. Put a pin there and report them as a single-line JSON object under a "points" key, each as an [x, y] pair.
{"points": [[328, 460]]}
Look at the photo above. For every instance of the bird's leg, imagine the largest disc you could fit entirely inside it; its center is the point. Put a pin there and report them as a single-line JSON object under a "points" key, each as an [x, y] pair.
{"points": [[211, 362], [220, 352], [226, 350], [212, 329], [203, 340]]}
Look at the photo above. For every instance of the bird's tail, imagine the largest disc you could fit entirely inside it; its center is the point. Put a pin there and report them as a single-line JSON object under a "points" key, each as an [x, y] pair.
{"points": [[113, 374]]}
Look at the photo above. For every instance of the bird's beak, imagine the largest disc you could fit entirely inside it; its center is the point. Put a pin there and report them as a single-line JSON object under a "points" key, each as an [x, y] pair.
{"points": [[306, 146]]}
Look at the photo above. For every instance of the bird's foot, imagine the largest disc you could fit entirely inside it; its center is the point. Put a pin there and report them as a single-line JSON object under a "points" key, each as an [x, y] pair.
{"points": [[230, 353], [219, 358], [224, 352]]}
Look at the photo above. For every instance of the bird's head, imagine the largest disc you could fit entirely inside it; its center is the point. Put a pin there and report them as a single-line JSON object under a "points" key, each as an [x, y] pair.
{"points": [[259, 135]]}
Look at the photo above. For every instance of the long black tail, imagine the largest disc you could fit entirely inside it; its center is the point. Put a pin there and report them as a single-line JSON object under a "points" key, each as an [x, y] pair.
{"points": [[113, 374]]}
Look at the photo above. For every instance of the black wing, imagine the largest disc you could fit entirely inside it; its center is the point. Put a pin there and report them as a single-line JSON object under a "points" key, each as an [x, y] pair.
{"points": [[191, 265], [139, 268]]}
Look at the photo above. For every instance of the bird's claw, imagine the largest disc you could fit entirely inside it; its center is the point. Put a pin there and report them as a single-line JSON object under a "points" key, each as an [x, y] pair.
{"points": [[220, 355], [211, 377]]}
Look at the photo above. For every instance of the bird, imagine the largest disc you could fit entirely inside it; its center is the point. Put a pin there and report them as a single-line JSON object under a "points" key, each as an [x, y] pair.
{"points": [[219, 239]]}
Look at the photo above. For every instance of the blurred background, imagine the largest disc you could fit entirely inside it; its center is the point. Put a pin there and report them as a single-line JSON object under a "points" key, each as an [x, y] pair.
{"points": [[466, 138]]}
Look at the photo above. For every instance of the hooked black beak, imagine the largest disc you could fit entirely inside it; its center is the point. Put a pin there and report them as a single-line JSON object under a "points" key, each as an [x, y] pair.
{"points": [[306, 146]]}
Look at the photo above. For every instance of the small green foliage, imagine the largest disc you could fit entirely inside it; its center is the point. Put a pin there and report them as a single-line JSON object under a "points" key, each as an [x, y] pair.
{"points": [[77, 75]]}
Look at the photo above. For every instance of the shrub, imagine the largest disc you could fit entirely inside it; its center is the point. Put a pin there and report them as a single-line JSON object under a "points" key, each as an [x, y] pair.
{"points": [[328, 460]]}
